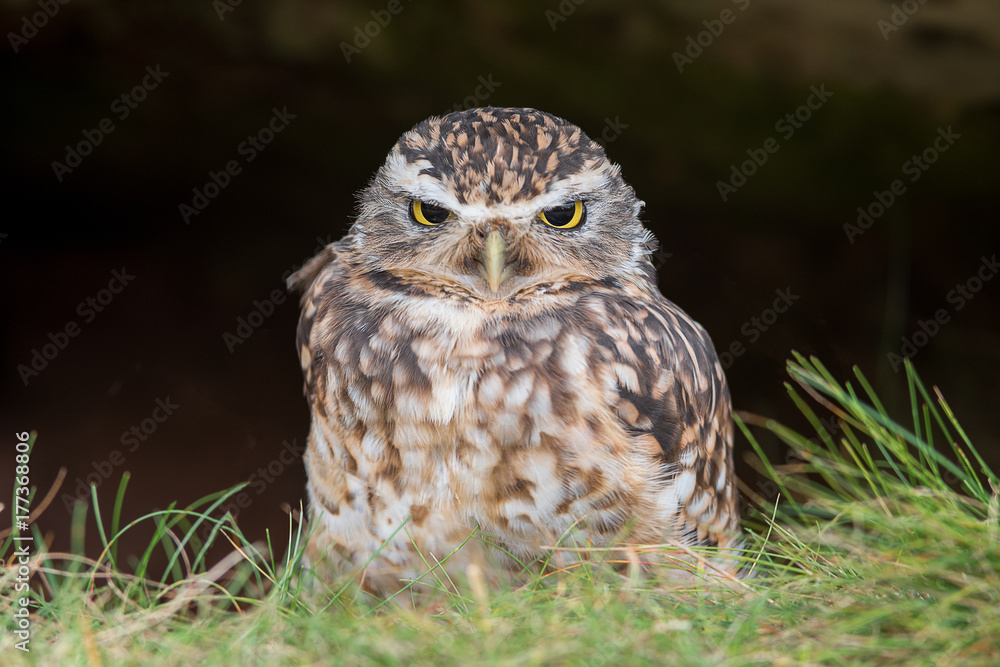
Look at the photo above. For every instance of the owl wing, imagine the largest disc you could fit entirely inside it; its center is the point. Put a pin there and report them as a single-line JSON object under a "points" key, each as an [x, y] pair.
{"points": [[671, 388], [311, 279]]}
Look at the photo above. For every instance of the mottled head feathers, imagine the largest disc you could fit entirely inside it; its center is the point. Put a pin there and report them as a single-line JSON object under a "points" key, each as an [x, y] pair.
{"points": [[496, 168], [502, 156]]}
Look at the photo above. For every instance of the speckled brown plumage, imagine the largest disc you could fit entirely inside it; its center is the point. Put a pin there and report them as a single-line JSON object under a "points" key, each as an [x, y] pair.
{"points": [[569, 396]]}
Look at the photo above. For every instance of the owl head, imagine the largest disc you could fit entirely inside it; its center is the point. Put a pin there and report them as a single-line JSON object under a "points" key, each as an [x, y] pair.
{"points": [[490, 203]]}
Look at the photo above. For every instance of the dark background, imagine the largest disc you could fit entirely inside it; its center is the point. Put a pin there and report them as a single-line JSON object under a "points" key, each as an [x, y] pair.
{"points": [[601, 65]]}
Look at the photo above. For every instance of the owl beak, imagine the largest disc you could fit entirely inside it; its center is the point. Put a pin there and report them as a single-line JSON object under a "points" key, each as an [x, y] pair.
{"points": [[493, 260]]}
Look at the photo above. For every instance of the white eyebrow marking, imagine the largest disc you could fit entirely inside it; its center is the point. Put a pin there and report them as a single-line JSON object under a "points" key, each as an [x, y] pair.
{"points": [[418, 185]]}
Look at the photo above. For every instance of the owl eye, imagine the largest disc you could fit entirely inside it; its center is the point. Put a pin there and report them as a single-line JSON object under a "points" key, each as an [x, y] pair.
{"points": [[428, 214], [566, 216]]}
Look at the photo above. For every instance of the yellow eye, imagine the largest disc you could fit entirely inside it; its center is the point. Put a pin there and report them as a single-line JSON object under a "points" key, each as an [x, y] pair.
{"points": [[566, 216], [428, 214]]}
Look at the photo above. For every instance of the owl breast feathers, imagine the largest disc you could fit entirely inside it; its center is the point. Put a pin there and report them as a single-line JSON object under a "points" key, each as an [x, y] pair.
{"points": [[487, 348]]}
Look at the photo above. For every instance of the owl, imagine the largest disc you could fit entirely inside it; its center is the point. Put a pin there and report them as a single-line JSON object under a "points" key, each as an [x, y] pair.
{"points": [[492, 371]]}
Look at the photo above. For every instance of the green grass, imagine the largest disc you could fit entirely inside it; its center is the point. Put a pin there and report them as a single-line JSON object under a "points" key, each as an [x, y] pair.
{"points": [[883, 548]]}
